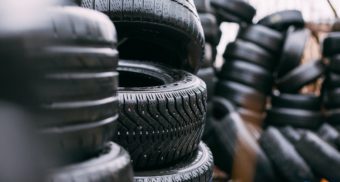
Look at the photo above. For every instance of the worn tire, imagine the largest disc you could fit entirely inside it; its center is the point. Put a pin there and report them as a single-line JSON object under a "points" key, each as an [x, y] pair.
{"points": [[233, 11], [285, 158], [251, 53], [265, 37], [234, 148], [70, 48], [296, 101], [162, 113], [202, 6], [195, 168], [283, 19], [319, 155], [211, 29], [113, 164], [150, 30], [208, 76]]}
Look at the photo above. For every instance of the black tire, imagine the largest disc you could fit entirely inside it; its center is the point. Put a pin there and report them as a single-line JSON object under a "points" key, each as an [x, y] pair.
{"points": [[332, 117], [162, 113], [71, 47], [196, 168], [330, 135], [246, 73], [233, 145], [331, 98], [332, 79], [233, 11], [294, 117], [241, 95], [293, 81], [249, 52], [211, 28], [296, 101], [320, 156], [149, 30], [209, 56], [335, 63], [202, 6], [331, 44], [285, 158], [291, 134], [113, 164], [293, 50], [267, 38], [208, 76], [283, 19]]}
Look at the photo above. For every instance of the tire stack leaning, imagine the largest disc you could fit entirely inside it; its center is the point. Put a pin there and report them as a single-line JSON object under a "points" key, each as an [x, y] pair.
{"points": [[162, 105], [289, 107], [331, 84], [60, 63]]}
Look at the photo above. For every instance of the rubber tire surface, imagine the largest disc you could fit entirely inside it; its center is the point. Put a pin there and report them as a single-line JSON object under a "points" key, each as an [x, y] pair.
{"points": [[285, 158], [267, 38], [151, 29], [202, 6], [159, 124], [195, 168], [296, 101], [229, 137], [319, 155], [331, 44], [294, 117], [113, 164], [67, 41], [300, 76], [211, 28], [233, 11], [249, 52], [283, 19], [330, 135], [208, 76], [246, 73], [241, 95], [293, 50]]}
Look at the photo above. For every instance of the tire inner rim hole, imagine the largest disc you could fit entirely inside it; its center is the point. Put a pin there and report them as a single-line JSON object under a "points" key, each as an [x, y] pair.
{"points": [[133, 79]]}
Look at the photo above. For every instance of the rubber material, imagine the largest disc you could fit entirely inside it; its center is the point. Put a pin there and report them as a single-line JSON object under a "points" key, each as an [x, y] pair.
{"points": [[293, 50], [113, 164], [211, 29], [331, 44], [285, 158], [149, 30], [233, 10], [249, 52], [267, 38], [332, 116], [320, 156], [283, 19], [202, 6], [234, 148], [294, 117], [331, 98], [209, 56], [335, 63], [246, 73], [241, 95], [296, 101], [300, 76], [332, 79], [161, 113], [195, 168], [330, 135], [291, 134], [208, 76]]}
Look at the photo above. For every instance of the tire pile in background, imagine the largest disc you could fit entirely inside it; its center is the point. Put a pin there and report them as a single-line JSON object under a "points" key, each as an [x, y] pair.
{"points": [[262, 126]]}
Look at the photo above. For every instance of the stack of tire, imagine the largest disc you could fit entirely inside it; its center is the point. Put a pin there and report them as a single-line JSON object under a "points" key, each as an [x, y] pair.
{"points": [[288, 106], [60, 63], [162, 105], [212, 34], [331, 85]]}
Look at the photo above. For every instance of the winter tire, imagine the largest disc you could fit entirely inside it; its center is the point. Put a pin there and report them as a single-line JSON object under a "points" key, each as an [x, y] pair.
{"points": [[195, 168], [162, 113]]}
